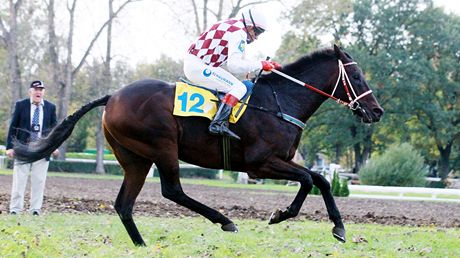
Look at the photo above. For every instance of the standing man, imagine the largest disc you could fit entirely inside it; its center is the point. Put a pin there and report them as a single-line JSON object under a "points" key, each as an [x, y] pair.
{"points": [[33, 118]]}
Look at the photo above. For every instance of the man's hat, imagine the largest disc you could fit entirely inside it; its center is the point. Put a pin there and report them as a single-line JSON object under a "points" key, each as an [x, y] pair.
{"points": [[37, 84]]}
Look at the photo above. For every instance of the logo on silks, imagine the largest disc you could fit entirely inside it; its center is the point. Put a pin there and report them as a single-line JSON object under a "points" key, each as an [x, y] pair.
{"points": [[242, 45], [207, 72]]}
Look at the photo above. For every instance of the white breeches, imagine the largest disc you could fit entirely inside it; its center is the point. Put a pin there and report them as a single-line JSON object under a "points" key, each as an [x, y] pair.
{"points": [[37, 171], [214, 78]]}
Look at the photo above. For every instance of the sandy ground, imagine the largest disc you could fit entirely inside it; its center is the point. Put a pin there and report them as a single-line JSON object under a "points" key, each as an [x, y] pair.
{"points": [[75, 195]]}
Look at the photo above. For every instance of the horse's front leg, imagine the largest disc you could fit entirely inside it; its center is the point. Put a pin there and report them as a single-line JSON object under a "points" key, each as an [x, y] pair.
{"points": [[334, 215], [279, 169], [289, 170]]}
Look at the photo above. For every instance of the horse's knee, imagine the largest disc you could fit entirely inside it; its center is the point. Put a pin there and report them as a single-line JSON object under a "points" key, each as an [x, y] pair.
{"points": [[171, 193], [306, 181], [322, 183]]}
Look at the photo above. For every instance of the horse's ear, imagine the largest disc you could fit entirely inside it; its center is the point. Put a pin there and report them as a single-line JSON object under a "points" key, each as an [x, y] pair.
{"points": [[338, 52]]}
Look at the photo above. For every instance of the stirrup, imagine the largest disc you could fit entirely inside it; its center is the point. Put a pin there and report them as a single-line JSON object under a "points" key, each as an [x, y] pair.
{"points": [[221, 129]]}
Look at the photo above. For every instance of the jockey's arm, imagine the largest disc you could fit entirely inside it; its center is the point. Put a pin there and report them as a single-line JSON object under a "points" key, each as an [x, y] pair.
{"points": [[236, 62]]}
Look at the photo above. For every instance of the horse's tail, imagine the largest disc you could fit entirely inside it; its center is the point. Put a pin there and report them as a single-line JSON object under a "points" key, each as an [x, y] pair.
{"points": [[45, 146]]}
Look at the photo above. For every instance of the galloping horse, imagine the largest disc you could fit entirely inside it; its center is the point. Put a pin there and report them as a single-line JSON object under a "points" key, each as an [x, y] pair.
{"points": [[140, 127]]}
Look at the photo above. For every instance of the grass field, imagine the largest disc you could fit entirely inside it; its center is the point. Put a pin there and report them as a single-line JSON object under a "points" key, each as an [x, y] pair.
{"points": [[101, 235], [67, 235]]}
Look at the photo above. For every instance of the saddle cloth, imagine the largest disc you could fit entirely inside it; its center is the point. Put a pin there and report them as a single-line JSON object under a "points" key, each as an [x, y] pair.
{"points": [[197, 101]]}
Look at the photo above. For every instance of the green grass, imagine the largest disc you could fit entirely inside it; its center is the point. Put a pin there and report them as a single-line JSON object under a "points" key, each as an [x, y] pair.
{"points": [[56, 235]]}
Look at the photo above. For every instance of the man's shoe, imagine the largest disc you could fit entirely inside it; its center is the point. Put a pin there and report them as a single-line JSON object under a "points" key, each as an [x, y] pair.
{"points": [[35, 213], [13, 213]]}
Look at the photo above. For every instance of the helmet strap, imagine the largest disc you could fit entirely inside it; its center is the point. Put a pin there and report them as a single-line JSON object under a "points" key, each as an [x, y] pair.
{"points": [[246, 27]]}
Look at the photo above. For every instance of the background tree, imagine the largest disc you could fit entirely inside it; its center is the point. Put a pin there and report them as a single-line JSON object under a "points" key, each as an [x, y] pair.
{"points": [[436, 83], [9, 36], [70, 71], [403, 46], [106, 82], [165, 68], [203, 13]]}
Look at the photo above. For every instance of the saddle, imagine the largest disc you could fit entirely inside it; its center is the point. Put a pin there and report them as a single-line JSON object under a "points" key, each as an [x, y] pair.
{"points": [[194, 100]]}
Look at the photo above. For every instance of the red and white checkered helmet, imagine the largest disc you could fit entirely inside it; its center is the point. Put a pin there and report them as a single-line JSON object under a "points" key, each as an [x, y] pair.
{"points": [[254, 17]]}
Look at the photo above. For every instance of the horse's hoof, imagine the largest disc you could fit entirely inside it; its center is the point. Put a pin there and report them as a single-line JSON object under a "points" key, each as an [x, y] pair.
{"points": [[140, 244], [275, 217], [230, 227], [339, 234]]}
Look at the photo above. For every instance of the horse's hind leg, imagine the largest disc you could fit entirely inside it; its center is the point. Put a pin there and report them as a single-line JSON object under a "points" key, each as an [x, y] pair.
{"points": [[171, 189], [136, 169], [334, 215]]}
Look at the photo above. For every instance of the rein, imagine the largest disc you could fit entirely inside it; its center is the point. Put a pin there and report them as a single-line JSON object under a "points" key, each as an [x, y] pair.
{"points": [[353, 104]]}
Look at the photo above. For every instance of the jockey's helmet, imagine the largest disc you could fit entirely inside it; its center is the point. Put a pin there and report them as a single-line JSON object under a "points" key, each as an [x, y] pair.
{"points": [[255, 18]]}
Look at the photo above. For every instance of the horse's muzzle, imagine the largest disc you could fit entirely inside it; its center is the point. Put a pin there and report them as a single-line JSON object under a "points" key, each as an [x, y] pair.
{"points": [[369, 115]]}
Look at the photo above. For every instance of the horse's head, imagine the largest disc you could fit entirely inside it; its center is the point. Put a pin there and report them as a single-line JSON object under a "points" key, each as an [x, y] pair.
{"points": [[351, 87]]}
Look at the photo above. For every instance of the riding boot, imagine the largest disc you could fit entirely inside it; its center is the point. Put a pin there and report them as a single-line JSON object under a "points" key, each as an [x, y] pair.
{"points": [[219, 125]]}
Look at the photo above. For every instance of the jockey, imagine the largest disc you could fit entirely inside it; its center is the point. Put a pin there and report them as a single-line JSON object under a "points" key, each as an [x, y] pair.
{"points": [[223, 45]]}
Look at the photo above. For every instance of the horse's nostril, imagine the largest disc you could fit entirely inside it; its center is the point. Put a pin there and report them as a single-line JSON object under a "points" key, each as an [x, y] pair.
{"points": [[378, 111]]}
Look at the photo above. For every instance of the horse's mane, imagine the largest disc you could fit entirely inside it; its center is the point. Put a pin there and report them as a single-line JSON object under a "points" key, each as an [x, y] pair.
{"points": [[305, 62]]}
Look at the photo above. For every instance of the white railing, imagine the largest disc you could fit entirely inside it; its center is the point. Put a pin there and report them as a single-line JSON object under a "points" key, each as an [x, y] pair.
{"points": [[152, 169], [402, 191], [3, 162]]}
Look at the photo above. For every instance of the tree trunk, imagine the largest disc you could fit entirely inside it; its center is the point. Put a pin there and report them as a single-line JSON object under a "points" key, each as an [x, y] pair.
{"points": [[99, 145], [10, 39], [205, 14], [64, 97], [70, 71], [106, 82], [358, 157], [444, 160], [338, 153], [53, 48], [367, 147], [197, 18]]}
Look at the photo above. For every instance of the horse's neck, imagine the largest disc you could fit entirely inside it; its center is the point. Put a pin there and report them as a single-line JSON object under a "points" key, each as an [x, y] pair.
{"points": [[298, 101]]}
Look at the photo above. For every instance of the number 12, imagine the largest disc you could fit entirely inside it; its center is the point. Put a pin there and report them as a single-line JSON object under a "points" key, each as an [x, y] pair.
{"points": [[196, 99]]}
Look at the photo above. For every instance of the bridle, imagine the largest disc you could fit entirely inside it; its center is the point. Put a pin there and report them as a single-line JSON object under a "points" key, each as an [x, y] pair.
{"points": [[353, 103]]}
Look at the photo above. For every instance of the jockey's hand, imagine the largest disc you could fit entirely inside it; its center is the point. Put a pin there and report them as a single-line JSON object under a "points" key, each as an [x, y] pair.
{"points": [[269, 65], [276, 65]]}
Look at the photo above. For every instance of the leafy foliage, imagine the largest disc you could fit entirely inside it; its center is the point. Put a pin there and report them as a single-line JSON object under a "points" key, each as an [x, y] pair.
{"points": [[410, 54], [315, 190], [344, 191], [400, 165], [335, 184]]}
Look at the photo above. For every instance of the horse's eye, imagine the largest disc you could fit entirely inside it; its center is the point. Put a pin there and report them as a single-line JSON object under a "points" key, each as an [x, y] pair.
{"points": [[356, 76]]}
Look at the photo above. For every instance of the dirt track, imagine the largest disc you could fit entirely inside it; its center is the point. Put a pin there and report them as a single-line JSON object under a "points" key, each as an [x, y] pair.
{"points": [[73, 195]]}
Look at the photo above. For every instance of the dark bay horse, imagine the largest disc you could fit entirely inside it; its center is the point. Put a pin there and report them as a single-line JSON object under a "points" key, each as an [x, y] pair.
{"points": [[141, 129]]}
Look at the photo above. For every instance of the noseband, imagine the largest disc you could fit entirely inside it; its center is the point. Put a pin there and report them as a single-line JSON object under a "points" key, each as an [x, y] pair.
{"points": [[353, 103]]}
